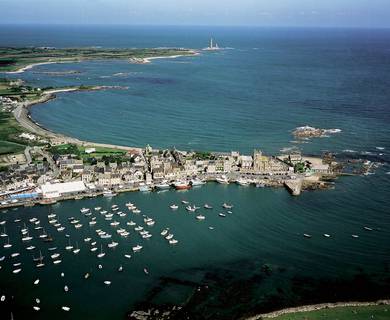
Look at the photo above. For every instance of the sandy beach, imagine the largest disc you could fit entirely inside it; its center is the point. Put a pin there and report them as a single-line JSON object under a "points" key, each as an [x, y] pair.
{"points": [[22, 115]]}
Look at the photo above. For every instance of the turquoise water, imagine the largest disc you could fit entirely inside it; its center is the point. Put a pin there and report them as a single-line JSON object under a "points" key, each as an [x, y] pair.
{"points": [[249, 96]]}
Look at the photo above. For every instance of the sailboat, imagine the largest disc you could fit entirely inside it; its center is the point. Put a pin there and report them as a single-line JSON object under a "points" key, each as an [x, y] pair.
{"points": [[7, 245], [101, 254], [211, 46], [40, 259], [77, 250], [69, 246]]}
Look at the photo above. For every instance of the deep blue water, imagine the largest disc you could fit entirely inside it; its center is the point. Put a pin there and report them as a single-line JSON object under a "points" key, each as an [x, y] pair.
{"points": [[249, 96]]}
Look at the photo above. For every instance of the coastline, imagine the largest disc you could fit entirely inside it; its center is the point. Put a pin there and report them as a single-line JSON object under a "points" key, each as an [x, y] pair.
{"points": [[23, 117], [135, 59], [316, 307]]}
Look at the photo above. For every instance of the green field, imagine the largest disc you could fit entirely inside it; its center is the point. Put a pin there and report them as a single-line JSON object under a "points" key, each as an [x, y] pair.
{"points": [[15, 58], [380, 312], [9, 130], [79, 151]]}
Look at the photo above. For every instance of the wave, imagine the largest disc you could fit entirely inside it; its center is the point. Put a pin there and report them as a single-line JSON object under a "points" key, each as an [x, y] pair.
{"points": [[380, 148], [349, 151]]}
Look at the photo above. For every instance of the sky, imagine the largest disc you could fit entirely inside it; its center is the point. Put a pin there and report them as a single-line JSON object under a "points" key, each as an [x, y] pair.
{"points": [[299, 13]]}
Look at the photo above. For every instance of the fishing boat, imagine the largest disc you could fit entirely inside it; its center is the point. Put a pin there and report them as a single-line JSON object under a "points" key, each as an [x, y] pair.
{"points": [[181, 185], [222, 179], [207, 206], [101, 254], [174, 206], [137, 248], [200, 217]]}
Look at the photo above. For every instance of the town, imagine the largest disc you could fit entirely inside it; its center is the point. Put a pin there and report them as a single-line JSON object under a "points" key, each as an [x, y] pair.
{"points": [[53, 172]]}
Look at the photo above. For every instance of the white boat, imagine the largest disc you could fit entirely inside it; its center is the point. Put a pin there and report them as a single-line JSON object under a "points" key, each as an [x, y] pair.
{"points": [[200, 217], [190, 209], [184, 202], [326, 235], [66, 289], [222, 215], [105, 236], [355, 236], [36, 308], [137, 211], [84, 210], [27, 238], [55, 255], [109, 194], [146, 236], [174, 206], [115, 223], [87, 239], [101, 254], [57, 261], [14, 255], [207, 206], [164, 232], [30, 248], [60, 229], [92, 223], [169, 236], [131, 223], [227, 206], [2, 258], [36, 281], [97, 208], [107, 283], [69, 246], [173, 241], [138, 228], [120, 269], [7, 245], [367, 228], [93, 249], [113, 244], [222, 179], [151, 223], [144, 188], [127, 256], [242, 182], [65, 308], [52, 215], [77, 250], [197, 182], [307, 235], [163, 185], [17, 270], [137, 248]]}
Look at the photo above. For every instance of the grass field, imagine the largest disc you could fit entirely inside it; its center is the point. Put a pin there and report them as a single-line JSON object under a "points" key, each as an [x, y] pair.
{"points": [[80, 151], [13, 59], [9, 130], [381, 312]]}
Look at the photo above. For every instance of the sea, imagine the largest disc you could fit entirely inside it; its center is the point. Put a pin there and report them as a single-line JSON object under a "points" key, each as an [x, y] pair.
{"points": [[250, 95]]}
